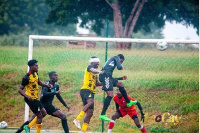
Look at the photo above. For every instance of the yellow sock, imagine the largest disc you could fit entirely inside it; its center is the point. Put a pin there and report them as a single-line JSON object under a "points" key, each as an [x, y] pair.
{"points": [[33, 122], [80, 116], [84, 127], [38, 128]]}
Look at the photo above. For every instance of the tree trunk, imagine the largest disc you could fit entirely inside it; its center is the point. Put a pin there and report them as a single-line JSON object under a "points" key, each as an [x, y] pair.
{"points": [[130, 23], [117, 22], [134, 21]]}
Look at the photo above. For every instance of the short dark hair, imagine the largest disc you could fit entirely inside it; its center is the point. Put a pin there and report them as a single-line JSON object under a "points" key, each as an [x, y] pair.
{"points": [[32, 62], [121, 56], [51, 73], [93, 57]]}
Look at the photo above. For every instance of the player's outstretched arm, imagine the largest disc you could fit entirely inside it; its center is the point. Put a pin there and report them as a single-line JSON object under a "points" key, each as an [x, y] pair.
{"points": [[62, 101], [45, 85], [141, 111], [45, 92], [95, 71], [122, 78]]}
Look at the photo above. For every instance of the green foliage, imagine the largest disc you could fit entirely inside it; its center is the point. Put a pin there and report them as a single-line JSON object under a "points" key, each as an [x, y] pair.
{"points": [[28, 16], [97, 12], [161, 130]]}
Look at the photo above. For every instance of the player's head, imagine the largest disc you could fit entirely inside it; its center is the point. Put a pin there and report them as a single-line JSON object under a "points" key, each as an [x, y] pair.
{"points": [[33, 64], [94, 61], [119, 94], [53, 76], [121, 58]]}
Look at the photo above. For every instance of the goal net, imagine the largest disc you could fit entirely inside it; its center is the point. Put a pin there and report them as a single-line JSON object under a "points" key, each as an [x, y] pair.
{"points": [[166, 83]]}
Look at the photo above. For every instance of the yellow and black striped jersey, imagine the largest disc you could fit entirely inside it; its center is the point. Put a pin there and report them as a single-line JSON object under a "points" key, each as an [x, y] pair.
{"points": [[90, 79], [30, 82]]}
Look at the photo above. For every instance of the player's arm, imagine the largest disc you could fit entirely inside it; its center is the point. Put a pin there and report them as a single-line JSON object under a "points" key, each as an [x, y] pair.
{"points": [[98, 83], [45, 85], [139, 106], [122, 78], [141, 110], [23, 93], [25, 82], [46, 93], [119, 65], [62, 101], [95, 71], [60, 98]]}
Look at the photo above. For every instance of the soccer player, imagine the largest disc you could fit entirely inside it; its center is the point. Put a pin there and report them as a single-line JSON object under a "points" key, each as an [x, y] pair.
{"points": [[109, 82], [122, 110], [30, 82], [46, 99], [87, 93]]}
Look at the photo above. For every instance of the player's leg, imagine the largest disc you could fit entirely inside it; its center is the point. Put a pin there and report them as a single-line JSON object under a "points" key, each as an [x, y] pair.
{"points": [[124, 94], [40, 114], [25, 123], [63, 118], [137, 123], [39, 122], [117, 115], [108, 88], [87, 99], [87, 118], [134, 116], [33, 122], [34, 105], [106, 105]]}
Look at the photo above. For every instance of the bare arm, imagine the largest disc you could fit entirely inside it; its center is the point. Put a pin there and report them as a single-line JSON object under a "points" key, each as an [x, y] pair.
{"points": [[45, 85], [122, 78], [95, 71], [99, 83], [23, 94]]}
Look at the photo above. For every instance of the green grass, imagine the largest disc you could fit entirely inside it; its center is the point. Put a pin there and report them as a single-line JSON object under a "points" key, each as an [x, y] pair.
{"points": [[162, 81]]}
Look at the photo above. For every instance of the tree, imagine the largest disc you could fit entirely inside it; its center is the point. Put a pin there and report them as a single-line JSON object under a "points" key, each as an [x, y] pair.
{"points": [[19, 15], [128, 16]]}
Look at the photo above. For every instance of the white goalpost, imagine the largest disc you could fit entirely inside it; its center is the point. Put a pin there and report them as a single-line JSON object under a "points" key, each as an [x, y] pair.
{"points": [[96, 39]]}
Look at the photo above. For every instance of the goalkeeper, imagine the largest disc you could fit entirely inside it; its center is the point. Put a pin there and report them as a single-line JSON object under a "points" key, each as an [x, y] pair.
{"points": [[122, 110]]}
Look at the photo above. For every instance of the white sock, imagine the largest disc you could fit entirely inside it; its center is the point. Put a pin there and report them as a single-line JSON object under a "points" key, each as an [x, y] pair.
{"points": [[109, 130]]}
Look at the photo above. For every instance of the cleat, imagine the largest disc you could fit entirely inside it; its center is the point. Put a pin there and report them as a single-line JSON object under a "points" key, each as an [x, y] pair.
{"points": [[104, 117], [131, 103], [19, 130], [27, 129], [77, 123]]}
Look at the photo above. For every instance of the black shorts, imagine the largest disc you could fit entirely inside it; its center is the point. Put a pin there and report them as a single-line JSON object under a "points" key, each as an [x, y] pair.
{"points": [[85, 95], [50, 109], [108, 82], [34, 105]]}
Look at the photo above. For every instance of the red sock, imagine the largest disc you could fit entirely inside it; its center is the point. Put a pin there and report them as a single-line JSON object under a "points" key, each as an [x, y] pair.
{"points": [[143, 130], [111, 124]]}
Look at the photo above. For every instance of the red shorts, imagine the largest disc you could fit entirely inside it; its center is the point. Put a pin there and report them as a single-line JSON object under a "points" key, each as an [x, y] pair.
{"points": [[130, 112]]}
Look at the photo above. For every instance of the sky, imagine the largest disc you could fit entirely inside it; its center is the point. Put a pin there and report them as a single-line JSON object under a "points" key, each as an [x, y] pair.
{"points": [[179, 31], [170, 31]]}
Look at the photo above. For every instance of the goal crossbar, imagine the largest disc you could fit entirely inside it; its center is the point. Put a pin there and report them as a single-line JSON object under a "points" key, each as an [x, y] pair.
{"points": [[102, 39]]}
